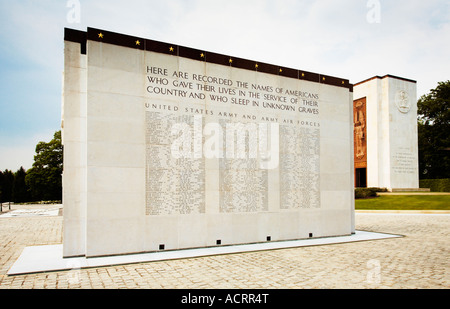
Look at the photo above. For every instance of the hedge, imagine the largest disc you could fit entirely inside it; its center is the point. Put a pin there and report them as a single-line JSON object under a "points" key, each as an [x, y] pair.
{"points": [[368, 192], [435, 185]]}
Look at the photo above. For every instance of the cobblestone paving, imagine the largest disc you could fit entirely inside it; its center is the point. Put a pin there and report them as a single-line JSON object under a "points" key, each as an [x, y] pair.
{"points": [[418, 260]]}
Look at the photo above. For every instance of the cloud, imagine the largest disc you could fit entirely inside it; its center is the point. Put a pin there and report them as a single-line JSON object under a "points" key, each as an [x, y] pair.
{"points": [[31, 30], [31, 59], [13, 157], [327, 36], [19, 151]]}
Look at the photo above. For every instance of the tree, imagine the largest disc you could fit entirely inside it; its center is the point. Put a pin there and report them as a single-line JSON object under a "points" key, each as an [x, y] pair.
{"points": [[20, 191], [45, 177], [1, 187], [6, 183], [434, 132]]}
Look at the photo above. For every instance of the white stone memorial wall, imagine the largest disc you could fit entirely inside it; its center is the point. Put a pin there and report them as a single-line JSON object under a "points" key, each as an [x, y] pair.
{"points": [[181, 153]]}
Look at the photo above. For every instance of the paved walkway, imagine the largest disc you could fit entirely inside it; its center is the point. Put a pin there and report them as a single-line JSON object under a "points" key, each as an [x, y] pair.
{"points": [[418, 260]]}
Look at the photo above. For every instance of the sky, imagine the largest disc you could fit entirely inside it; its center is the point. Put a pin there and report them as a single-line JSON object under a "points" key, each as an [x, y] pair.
{"points": [[351, 39]]}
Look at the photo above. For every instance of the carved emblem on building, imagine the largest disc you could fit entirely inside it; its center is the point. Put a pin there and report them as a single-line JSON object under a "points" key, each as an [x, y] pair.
{"points": [[402, 101]]}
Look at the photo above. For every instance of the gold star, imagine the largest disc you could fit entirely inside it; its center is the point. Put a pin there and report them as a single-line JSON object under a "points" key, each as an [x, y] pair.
{"points": [[202, 55], [138, 43], [171, 48], [256, 66], [343, 82], [100, 35], [303, 74], [231, 60], [281, 70], [323, 78]]}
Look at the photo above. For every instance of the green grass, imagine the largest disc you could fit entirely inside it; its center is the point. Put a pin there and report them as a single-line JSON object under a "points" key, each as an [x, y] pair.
{"points": [[405, 202]]}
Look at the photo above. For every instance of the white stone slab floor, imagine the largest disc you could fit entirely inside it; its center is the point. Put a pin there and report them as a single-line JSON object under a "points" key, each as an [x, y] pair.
{"points": [[36, 259]]}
